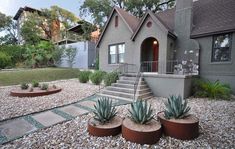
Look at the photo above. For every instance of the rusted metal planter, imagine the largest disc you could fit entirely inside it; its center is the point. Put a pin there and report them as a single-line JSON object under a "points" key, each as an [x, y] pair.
{"points": [[142, 134], [35, 93], [184, 129], [112, 128]]}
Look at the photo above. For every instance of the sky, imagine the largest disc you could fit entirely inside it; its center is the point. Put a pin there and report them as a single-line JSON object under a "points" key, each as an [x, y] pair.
{"points": [[10, 7]]}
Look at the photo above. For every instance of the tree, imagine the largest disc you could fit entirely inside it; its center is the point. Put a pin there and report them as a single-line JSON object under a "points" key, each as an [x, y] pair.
{"points": [[39, 55], [30, 31], [51, 19], [47, 24], [9, 27], [70, 54], [100, 9], [57, 55]]}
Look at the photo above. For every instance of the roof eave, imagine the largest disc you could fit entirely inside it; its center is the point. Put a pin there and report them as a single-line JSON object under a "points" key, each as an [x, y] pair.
{"points": [[211, 33]]}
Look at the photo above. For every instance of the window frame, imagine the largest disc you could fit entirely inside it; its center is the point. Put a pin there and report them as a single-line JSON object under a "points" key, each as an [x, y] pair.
{"points": [[116, 53], [230, 36]]}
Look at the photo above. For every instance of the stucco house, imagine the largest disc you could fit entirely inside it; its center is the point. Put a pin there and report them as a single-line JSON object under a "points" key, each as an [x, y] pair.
{"points": [[168, 48]]}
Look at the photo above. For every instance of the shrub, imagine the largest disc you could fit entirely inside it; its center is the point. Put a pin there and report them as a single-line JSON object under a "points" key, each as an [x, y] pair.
{"points": [[104, 111], [97, 77], [176, 107], [141, 112], [24, 86], [15, 52], [44, 86], [35, 83], [84, 76], [5, 60], [212, 90], [110, 78]]}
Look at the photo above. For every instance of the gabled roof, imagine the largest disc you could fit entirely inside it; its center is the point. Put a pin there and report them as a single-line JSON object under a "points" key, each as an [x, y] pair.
{"points": [[209, 17], [26, 8], [157, 20], [213, 17], [130, 20]]}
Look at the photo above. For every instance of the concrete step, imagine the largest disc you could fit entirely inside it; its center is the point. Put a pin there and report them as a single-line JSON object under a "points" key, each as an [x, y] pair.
{"points": [[130, 74], [129, 78], [130, 82], [118, 94], [115, 97], [126, 95], [121, 98], [126, 90], [130, 86], [145, 95]]}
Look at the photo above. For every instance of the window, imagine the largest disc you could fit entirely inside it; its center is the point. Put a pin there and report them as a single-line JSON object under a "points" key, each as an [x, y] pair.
{"points": [[116, 53], [221, 51], [116, 21]]}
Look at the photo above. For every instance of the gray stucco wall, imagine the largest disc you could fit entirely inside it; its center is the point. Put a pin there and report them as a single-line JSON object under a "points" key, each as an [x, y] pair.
{"points": [[225, 72], [163, 85], [114, 35], [158, 32], [85, 55]]}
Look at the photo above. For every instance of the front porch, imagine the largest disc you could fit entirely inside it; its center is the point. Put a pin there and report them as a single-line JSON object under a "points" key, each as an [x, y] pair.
{"points": [[158, 84]]}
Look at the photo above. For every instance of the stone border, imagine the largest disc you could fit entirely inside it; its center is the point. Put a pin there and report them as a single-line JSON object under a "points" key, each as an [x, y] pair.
{"points": [[18, 93]]}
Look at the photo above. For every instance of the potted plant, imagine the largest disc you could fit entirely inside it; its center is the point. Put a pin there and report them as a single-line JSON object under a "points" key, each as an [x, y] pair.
{"points": [[141, 127], [176, 121], [105, 122]]}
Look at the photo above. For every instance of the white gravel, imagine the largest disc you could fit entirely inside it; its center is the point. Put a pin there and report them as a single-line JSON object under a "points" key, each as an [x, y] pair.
{"points": [[217, 130], [72, 91]]}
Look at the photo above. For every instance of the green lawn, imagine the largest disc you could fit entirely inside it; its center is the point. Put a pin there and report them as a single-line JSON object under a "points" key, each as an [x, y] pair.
{"points": [[43, 74]]}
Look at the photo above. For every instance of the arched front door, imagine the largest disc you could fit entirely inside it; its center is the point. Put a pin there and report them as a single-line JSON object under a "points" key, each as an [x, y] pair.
{"points": [[149, 55]]}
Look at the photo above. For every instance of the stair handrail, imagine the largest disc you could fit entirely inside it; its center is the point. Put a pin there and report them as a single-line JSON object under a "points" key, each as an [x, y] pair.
{"points": [[136, 84]]}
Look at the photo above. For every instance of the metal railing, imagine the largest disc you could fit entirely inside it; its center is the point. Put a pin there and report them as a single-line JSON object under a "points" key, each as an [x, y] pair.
{"points": [[137, 79], [156, 66], [67, 35]]}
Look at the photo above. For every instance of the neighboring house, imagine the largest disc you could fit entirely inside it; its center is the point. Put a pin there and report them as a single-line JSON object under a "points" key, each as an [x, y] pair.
{"points": [[169, 47], [86, 51], [85, 55], [22, 15]]}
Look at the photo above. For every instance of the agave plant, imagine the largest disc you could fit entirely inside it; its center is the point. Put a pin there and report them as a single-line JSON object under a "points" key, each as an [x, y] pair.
{"points": [[176, 107], [24, 86], [104, 111], [141, 112]]}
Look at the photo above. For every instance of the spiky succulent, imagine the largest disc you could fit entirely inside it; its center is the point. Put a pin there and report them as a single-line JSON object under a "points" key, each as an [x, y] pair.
{"points": [[176, 107], [24, 86], [141, 112], [35, 83], [104, 111], [44, 86]]}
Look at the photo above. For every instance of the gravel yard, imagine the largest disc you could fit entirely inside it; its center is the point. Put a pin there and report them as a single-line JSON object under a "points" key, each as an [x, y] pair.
{"points": [[72, 91], [217, 130]]}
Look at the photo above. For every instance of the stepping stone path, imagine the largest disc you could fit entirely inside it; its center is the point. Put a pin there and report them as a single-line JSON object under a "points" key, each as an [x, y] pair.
{"points": [[17, 127]]}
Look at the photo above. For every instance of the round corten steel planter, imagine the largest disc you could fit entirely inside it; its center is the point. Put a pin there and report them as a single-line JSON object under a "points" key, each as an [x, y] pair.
{"points": [[112, 128], [36, 92], [184, 129], [142, 134]]}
